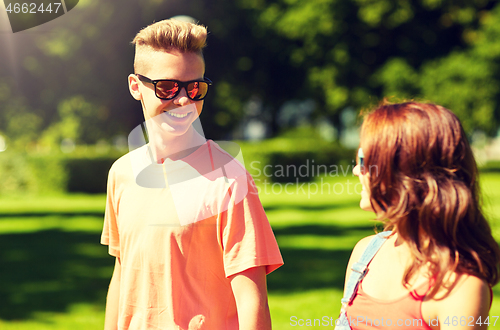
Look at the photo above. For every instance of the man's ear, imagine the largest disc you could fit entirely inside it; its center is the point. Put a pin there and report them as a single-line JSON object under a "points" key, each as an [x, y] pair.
{"points": [[133, 86]]}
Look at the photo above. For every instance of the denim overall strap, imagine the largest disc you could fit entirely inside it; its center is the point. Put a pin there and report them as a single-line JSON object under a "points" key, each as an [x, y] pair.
{"points": [[359, 270]]}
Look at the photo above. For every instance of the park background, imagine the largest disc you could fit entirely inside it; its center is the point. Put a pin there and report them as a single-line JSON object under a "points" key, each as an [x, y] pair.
{"points": [[290, 78]]}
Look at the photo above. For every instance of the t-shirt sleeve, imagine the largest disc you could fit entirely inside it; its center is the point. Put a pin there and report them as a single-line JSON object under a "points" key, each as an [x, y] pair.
{"points": [[248, 240], [110, 234]]}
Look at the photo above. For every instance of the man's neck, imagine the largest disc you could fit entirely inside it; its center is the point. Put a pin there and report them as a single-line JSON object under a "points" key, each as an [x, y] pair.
{"points": [[175, 147]]}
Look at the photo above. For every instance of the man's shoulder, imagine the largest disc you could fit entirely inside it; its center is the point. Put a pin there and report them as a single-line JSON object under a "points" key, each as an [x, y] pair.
{"points": [[124, 164], [120, 163], [228, 155]]}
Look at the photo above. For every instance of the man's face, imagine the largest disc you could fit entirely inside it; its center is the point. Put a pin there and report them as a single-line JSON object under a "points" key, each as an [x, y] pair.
{"points": [[180, 112]]}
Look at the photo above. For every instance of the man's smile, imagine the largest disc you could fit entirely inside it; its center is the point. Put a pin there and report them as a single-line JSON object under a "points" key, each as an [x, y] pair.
{"points": [[177, 115]]}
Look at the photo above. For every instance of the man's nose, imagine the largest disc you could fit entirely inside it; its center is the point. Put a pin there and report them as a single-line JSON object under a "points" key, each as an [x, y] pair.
{"points": [[182, 99]]}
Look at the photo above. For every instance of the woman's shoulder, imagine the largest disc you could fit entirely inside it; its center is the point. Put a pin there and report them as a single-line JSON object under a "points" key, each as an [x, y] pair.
{"points": [[463, 288], [361, 246], [467, 295], [358, 250], [356, 253]]}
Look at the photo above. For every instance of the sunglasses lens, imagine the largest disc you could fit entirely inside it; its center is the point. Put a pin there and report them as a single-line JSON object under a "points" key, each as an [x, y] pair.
{"points": [[167, 89], [361, 158], [197, 90]]}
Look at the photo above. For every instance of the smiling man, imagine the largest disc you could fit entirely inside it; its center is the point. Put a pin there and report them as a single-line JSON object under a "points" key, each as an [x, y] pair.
{"points": [[191, 240]]}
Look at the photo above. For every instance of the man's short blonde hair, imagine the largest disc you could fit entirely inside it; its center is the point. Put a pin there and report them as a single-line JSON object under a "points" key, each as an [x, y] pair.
{"points": [[168, 35]]}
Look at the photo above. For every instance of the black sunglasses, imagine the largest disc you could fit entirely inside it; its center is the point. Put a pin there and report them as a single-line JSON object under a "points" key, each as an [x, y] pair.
{"points": [[167, 89]]}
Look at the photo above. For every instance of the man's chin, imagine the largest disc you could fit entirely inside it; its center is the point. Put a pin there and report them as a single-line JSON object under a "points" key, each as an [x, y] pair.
{"points": [[168, 129]]}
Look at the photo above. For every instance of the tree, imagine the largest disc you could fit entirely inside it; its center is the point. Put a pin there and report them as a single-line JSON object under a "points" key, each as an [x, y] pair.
{"points": [[357, 52], [340, 54]]}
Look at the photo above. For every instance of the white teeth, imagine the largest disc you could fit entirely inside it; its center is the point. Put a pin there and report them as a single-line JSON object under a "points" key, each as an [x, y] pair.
{"points": [[177, 115]]}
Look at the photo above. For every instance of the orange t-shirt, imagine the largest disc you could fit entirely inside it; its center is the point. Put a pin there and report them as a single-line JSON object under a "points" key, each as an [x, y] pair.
{"points": [[180, 229]]}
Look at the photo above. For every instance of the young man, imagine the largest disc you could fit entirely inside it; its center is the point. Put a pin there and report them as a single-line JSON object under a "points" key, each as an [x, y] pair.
{"points": [[192, 243]]}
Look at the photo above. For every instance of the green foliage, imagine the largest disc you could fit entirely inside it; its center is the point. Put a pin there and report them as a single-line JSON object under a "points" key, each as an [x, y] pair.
{"points": [[390, 13], [368, 49], [63, 44], [54, 172], [49, 173], [69, 80], [294, 156], [88, 174], [398, 78], [21, 125], [300, 155], [485, 41], [491, 166], [23, 173], [85, 170], [465, 85], [465, 81], [78, 120], [14, 173]]}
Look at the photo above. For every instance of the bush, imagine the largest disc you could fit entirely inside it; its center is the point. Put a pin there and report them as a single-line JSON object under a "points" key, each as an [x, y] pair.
{"points": [[54, 172], [46, 173], [86, 170], [292, 160], [491, 166], [87, 174], [20, 172]]}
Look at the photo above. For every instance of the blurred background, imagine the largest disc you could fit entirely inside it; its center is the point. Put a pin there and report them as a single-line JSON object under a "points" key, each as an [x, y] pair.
{"points": [[290, 78]]}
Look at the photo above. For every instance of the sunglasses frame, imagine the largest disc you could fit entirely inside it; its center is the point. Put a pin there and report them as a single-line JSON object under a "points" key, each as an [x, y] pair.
{"points": [[181, 84]]}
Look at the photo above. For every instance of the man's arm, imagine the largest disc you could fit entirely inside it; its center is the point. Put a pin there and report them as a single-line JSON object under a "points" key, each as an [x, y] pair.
{"points": [[250, 291], [111, 317]]}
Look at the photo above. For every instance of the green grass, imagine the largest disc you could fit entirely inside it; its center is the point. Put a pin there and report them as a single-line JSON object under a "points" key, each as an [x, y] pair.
{"points": [[55, 273]]}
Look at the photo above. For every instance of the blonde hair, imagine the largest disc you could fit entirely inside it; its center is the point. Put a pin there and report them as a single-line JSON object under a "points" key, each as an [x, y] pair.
{"points": [[168, 35]]}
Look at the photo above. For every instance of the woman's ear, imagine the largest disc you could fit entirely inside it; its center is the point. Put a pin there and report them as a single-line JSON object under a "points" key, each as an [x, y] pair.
{"points": [[133, 86]]}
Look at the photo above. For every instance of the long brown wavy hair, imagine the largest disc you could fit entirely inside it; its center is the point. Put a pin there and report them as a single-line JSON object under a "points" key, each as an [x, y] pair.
{"points": [[424, 186]]}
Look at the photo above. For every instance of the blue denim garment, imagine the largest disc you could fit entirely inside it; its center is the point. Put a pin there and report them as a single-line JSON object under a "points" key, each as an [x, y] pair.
{"points": [[359, 270]]}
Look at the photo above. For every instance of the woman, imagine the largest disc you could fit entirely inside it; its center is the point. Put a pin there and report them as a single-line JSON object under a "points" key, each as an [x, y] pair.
{"points": [[436, 268]]}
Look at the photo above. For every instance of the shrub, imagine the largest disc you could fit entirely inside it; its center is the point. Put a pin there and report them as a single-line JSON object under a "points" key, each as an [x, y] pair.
{"points": [[85, 169], [54, 172], [292, 160]]}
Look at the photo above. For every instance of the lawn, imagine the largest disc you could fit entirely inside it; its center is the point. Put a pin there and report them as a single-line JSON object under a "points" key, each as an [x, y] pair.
{"points": [[55, 273]]}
